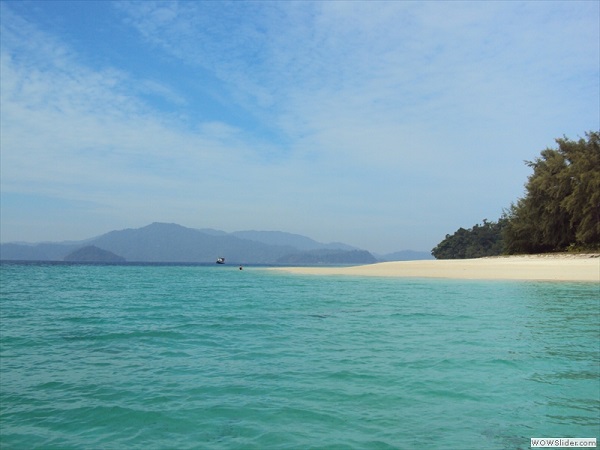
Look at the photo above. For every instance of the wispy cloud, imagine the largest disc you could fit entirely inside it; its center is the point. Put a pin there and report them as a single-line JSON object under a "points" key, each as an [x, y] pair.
{"points": [[404, 118], [342, 74]]}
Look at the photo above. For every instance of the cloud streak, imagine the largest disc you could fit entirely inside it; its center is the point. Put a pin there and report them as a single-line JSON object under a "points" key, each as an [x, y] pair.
{"points": [[383, 125]]}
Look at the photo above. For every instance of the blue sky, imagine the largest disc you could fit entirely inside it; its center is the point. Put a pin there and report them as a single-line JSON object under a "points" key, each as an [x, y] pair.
{"points": [[384, 125]]}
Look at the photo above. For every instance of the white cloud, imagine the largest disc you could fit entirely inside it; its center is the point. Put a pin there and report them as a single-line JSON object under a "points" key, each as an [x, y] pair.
{"points": [[345, 72], [394, 114]]}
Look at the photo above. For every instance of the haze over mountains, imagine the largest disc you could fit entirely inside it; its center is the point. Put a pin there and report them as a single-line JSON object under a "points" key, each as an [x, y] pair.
{"points": [[172, 243]]}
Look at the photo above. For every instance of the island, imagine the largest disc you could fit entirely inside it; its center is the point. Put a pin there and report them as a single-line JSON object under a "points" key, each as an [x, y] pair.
{"points": [[91, 253]]}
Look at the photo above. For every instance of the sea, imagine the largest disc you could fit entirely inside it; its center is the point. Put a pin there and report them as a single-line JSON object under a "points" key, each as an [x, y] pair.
{"points": [[213, 357]]}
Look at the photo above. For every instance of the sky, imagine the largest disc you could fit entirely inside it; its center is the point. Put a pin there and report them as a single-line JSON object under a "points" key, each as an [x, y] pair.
{"points": [[383, 125]]}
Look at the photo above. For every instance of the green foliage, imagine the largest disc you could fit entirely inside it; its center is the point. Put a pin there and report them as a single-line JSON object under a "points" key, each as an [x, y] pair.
{"points": [[561, 208], [481, 240], [560, 211]]}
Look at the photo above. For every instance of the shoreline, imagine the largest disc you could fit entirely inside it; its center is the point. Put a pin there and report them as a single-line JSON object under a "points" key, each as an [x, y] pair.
{"points": [[543, 267]]}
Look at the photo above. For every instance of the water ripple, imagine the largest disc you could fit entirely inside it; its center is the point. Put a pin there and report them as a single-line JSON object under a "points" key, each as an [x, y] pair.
{"points": [[196, 357]]}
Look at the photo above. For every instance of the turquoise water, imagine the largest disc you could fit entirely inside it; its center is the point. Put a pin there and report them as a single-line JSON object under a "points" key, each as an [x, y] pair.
{"points": [[183, 357]]}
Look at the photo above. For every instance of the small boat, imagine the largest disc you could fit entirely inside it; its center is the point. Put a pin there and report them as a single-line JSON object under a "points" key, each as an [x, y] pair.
{"points": [[221, 260]]}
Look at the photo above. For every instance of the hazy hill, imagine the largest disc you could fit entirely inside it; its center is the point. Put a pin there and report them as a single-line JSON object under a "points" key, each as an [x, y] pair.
{"points": [[162, 242], [289, 239], [36, 252], [405, 255], [91, 253]]}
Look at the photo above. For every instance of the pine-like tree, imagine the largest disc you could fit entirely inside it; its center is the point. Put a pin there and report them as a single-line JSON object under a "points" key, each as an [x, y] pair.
{"points": [[561, 208]]}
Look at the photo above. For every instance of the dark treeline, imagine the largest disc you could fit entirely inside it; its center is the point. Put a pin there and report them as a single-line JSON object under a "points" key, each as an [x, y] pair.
{"points": [[482, 240], [559, 212]]}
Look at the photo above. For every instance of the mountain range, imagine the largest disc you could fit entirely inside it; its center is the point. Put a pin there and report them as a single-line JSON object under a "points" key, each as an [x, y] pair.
{"points": [[172, 243]]}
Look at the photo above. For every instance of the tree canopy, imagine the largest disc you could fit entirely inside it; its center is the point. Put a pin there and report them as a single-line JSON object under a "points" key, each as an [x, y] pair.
{"points": [[560, 210], [481, 240]]}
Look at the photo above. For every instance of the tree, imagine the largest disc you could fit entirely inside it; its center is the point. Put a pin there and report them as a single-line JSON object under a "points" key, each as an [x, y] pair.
{"points": [[583, 203], [561, 208], [481, 240]]}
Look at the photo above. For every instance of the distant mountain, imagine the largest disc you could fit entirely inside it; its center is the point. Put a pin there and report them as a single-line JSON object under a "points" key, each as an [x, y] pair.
{"points": [[329, 256], [164, 242], [36, 252], [212, 232], [405, 255], [91, 253], [289, 239]]}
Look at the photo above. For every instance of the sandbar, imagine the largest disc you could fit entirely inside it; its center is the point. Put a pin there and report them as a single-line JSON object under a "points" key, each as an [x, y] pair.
{"points": [[546, 267]]}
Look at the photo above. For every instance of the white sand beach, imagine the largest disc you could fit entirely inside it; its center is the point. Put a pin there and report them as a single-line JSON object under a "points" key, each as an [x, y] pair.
{"points": [[554, 267]]}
